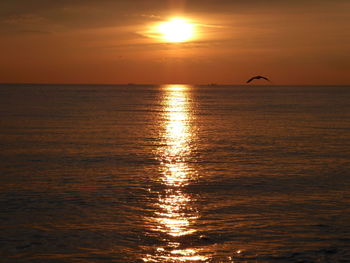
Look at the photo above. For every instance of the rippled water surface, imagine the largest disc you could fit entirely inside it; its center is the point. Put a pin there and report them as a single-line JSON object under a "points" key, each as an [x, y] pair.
{"points": [[174, 173]]}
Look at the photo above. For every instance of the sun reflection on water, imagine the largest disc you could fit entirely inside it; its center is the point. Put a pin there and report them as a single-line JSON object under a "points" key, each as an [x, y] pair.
{"points": [[175, 216]]}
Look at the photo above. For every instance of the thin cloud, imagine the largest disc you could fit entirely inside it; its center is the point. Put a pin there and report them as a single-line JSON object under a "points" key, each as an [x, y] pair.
{"points": [[25, 19]]}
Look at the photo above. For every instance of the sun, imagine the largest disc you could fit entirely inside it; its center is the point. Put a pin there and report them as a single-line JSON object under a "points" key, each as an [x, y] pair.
{"points": [[176, 30]]}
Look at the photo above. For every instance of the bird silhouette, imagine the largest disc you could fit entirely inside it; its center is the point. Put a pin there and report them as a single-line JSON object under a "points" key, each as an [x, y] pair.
{"points": [[257, 77]]}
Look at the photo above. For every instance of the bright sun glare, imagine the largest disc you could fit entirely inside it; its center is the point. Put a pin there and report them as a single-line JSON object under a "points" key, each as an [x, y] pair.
{"points": [[176, 30]]}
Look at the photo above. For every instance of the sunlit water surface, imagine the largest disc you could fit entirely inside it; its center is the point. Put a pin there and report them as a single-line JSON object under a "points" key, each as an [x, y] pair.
{"points": [[174, 173]]}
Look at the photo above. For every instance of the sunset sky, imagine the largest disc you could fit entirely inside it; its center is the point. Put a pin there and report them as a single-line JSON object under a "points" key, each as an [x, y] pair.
{"points": [[111, 41]]}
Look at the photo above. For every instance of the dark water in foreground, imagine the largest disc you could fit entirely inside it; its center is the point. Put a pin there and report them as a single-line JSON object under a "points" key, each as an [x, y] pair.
{"points": [[174, 174]]}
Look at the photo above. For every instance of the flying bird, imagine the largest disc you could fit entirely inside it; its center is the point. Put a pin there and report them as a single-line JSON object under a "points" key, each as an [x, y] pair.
{"points": [[257, 77]]}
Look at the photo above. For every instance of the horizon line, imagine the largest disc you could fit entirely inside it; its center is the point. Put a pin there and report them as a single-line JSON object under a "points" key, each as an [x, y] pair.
{"points": [[160, 84]]}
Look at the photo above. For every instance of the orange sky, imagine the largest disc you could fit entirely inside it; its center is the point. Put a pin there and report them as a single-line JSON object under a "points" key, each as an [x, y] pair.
{"points": [[103, 41]]}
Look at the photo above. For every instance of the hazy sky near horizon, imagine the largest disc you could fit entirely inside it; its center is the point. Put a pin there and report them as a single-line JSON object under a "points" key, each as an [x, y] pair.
{"points": [[104, 41]]}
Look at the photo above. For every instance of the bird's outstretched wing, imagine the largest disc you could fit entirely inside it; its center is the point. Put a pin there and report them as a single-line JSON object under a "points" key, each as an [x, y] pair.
{"points": [[257, 77], [249, 80]]}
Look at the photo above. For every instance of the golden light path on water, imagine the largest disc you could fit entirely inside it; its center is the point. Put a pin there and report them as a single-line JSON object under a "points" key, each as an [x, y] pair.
{"points": [[174, 214]]}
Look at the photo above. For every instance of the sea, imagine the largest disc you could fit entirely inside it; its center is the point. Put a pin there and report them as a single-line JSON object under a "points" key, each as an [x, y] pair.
{"points": [[174, 173]]}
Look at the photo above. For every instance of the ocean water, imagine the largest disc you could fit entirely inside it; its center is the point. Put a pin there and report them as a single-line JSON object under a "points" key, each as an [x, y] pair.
{"points": [[174, 173]]}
